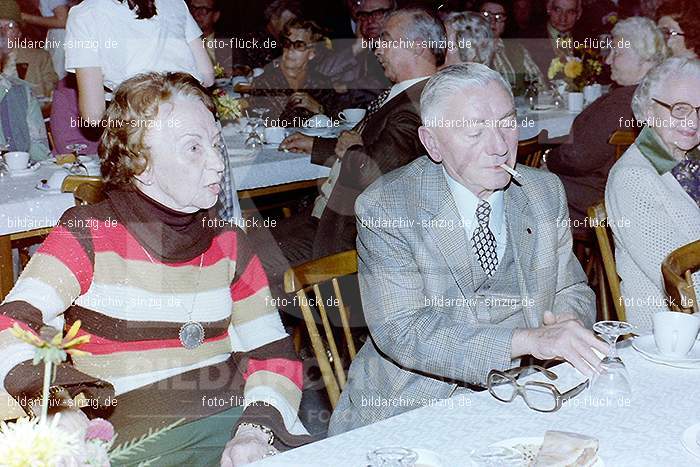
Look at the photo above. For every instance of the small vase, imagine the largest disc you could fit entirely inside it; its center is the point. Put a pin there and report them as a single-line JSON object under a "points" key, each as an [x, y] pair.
{"points": [[575, 101]]}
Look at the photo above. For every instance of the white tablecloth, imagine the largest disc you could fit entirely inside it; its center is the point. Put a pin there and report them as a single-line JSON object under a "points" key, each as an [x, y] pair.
{"points": [[23, 207], [556, 122], [665, 402]]}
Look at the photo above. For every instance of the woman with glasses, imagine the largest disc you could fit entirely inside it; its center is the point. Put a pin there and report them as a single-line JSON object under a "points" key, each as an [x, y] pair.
{"points": [[511, 59], [583, 163], [679, 20], [653, 192], [291, 88]]}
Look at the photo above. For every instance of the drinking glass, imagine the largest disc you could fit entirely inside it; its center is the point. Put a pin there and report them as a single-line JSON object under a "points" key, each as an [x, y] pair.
{"points": [[255, 140], [392, 457], [613, 381], [77, 149]]}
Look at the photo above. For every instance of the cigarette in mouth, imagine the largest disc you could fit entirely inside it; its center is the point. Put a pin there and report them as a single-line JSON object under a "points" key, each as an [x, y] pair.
{"points": [[511, 171]]}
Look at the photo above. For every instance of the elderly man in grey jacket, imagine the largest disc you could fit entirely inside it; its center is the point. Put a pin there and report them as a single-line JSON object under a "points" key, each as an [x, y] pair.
{"points": [[462, 269]]}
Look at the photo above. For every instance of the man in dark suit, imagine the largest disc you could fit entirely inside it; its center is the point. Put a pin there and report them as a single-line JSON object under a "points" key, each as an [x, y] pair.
{"points": [[385, 139]]}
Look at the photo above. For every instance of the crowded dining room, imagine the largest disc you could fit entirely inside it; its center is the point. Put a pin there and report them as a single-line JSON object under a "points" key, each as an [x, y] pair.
{"points": [[382, 233]]}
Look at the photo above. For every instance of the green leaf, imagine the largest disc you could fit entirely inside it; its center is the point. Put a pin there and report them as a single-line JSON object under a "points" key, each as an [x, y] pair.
{"points": [[123, 451]]}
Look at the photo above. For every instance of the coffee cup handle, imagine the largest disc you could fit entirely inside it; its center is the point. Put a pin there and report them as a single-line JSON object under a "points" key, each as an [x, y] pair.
{"points": [[342, 116]]}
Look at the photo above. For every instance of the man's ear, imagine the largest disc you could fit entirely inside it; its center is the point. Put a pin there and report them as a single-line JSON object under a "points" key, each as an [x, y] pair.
{"points": [[430, 142]]}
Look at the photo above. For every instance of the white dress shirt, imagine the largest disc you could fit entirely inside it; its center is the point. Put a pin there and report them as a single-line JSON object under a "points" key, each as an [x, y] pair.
{"points": [[467, 203]]}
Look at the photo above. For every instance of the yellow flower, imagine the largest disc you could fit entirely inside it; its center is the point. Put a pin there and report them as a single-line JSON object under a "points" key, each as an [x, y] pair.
{"points": [[573, 69], [219, 71], [555, 67]]}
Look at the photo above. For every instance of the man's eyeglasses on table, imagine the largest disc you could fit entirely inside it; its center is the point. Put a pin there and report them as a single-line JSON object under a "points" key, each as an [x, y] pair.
{"points": [[494, 17], [679, 110], [539, 396]]}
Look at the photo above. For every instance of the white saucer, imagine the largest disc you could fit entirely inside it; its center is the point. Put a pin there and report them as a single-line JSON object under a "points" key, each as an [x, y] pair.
{"points": [[646, 346], [316, 131], [528, 448], [691, 439], [46, 189], [24, 172]]}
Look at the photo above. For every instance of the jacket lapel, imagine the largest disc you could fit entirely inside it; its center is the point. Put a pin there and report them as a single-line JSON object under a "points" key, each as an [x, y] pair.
{"points": [[441, 214], [521, 237]]}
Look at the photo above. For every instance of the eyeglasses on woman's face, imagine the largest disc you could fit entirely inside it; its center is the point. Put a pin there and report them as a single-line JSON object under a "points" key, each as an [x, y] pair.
{"points": [[373, 15], [494, 17], [669, 33], [679, 110], [294, 45]]}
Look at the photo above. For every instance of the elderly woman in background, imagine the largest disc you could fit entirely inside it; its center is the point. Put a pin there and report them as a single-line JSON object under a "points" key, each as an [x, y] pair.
{"points": [[290, 86], [679, 20], [511, 59], [175, 302], [653, 191], [584, 161], [469, 38]]}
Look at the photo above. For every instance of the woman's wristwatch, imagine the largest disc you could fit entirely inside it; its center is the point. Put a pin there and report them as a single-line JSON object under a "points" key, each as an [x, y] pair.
{"points": [[263, 428]]}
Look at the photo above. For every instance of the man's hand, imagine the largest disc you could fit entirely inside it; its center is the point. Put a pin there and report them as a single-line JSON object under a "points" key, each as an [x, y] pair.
{"points": [[345, 141], [298, 143], [304, 100], [561, 337], [249, 445]]}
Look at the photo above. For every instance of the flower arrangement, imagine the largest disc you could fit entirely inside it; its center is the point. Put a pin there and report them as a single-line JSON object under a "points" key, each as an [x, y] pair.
{"points": [[228, 107], [578, 70], [219, 71], [40, 442]]}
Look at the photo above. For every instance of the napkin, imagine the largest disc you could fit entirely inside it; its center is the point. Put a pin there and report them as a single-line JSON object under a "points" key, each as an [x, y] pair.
{"points": [[563, 449]]}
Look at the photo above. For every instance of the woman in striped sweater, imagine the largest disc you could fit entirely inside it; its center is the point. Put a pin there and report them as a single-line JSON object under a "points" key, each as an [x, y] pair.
{"points": [[176, 304]]}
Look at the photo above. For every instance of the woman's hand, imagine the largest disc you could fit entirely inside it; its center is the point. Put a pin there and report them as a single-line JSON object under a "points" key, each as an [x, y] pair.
{"points": [[304, 100], [249, 445], [298, 143]]}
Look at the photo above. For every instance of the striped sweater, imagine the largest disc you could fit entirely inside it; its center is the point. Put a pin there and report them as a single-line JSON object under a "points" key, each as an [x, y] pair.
{"points": [[94, 267]]}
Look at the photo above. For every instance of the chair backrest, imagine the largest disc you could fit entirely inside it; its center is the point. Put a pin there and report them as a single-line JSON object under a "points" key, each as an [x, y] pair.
{"points": [[678, 282], [605, 243], [621, 139], [308, 277], [86, 189]]}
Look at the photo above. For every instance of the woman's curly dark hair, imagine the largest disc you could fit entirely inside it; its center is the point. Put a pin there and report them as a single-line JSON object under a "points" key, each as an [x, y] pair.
{"points": [[687, 14], [144, 9], [136, 102]]}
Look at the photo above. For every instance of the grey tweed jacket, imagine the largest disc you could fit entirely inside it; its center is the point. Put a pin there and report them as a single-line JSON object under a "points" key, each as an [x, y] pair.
{"points": [[413, 250]]}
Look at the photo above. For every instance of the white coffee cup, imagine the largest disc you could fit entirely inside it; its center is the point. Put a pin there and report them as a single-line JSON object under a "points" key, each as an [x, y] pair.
{"points": [[274, 134], [675, 332], [16, 160], [55, 181], [318, 121], [352, 115]]}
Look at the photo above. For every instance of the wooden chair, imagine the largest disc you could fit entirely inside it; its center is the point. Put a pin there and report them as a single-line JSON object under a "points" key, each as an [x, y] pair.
{"points": [[86, 189], [677, 270], [308, 277], [599, 217], [621, 139]]}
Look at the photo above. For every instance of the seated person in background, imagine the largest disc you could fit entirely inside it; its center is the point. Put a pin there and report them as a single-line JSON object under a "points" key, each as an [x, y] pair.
{"points": [[352, 66], [66, 125], [32, 65], [653, 191], [175, 302], [385, 139], [470, 39], [435, 296], [679, 20], [207, 13], [583, 162], [291, 88], [511, 59]]}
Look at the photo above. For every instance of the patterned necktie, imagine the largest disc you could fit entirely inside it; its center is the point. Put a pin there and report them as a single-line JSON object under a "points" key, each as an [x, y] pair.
{"points": [[687, 172], [483, 240], [372, 109]]}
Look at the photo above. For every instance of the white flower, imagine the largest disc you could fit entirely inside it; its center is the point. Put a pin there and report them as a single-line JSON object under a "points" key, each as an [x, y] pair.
{"points": [[27, 442]]}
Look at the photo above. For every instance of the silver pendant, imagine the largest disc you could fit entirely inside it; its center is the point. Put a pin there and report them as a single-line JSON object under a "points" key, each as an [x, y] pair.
{"points": [[191, 335]]}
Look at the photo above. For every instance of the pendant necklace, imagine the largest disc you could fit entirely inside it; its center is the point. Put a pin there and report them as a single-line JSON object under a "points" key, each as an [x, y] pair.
{"points": [[192, 332]]}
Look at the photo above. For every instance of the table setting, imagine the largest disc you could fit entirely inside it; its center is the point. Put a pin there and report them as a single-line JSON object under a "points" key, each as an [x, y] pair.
{"points": [[636, 411]]}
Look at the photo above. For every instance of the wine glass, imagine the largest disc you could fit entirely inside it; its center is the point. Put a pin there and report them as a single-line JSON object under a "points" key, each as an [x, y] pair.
{"points": [[77, 149], [255, 140], [392, 457], [613, 381]]}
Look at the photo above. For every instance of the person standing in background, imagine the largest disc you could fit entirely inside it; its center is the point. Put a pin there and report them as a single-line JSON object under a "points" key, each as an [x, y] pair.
{"points": [[53, 17]]}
